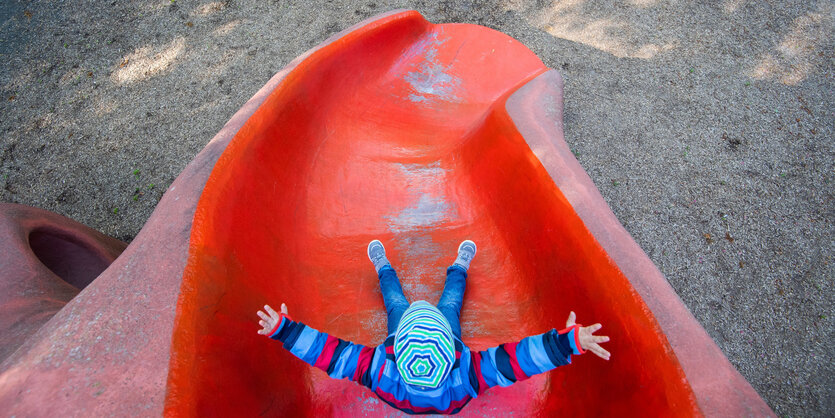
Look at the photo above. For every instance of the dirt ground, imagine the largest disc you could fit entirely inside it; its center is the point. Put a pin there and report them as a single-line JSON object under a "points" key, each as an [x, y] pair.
{"points": [[708, 128]]}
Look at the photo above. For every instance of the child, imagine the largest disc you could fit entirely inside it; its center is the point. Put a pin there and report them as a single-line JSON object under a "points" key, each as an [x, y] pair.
{"points": [[423, 366]]}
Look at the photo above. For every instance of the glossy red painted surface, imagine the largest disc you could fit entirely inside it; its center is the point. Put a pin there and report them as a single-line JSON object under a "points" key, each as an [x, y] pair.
{"points": [[398, 131]]}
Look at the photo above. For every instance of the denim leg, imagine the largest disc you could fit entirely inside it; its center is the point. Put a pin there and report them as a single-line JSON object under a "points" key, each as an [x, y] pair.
{"points": [[393, 297], [453, 297]]}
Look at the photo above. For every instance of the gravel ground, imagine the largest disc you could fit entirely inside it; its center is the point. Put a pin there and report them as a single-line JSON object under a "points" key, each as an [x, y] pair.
{"points": [[707, 127]]}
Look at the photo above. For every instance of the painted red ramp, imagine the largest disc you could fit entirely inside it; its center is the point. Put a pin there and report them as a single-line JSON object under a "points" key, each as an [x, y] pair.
{"points": [[422, 135]]}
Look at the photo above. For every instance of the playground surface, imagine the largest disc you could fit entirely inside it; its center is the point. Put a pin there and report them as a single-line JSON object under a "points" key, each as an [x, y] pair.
{"points": [[708, 130]]}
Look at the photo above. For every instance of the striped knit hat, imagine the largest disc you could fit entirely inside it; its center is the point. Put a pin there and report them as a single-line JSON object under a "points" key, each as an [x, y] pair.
{"points": [[423, 347]]}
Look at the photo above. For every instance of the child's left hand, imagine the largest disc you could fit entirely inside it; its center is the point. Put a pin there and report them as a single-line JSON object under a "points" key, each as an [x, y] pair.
{"points": [[270, 318], [589, 341]]}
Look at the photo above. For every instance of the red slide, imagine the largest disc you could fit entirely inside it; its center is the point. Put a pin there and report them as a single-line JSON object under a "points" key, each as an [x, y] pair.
{"points": [[404, 131], [416, 134]]}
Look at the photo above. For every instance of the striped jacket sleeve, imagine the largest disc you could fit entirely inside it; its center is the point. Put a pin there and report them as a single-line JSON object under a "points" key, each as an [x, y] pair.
{"points": [[513, 362], [340, 359]]}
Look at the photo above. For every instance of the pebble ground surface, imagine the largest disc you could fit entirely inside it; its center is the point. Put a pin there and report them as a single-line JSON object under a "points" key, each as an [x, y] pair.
{"points": [[707, 126]]}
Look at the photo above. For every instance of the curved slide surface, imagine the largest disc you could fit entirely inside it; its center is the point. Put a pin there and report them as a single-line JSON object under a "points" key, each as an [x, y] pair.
{"points": [[404, 131], [417, 134]]}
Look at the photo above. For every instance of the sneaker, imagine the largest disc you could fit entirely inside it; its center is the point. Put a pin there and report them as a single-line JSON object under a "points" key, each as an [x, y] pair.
{"points": [[377, 255], [466, 252]]}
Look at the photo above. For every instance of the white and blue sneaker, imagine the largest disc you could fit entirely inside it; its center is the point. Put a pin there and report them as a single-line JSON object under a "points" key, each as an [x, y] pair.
{"points": [[377, 255], [466, 252]]}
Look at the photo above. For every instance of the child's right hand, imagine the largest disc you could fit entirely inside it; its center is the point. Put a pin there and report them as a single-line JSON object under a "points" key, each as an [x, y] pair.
{"points": [[589, 341]]}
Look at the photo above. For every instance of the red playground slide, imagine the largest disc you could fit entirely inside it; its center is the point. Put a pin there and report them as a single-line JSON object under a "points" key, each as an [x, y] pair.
{"points": [[397, 129], [419, 135]]}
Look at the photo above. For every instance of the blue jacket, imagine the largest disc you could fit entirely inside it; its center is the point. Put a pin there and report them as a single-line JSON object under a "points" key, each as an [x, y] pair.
{"points": [[471, 375]]}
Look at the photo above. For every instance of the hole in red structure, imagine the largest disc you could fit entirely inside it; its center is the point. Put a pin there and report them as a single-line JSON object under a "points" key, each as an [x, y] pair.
{"points": [[70, 259]]}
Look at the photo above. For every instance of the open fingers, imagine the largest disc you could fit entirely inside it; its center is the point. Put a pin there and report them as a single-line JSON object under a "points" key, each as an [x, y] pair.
{"points": [[271, 311], [263, 315], [284, 309], [600, 338], [592, 328], [599, 351]]}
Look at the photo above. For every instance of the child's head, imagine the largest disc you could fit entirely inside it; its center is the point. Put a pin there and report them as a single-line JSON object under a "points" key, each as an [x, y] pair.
{"points": [[424, 349]]}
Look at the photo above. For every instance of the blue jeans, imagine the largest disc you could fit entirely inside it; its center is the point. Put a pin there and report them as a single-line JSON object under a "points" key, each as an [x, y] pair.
{"points": [[450, 303]]}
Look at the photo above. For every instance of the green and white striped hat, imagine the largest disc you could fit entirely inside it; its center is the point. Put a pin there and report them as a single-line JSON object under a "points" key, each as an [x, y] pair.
{"points": [[424, 350]]}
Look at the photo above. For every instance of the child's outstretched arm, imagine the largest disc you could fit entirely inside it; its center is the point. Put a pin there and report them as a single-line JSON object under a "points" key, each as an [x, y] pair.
{"points": [[513, 362], [340, 359]]}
